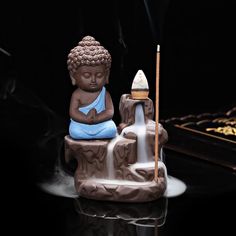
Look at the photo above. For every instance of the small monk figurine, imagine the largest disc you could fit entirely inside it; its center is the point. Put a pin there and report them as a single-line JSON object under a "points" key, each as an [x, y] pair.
{"points": [[91, 107]]}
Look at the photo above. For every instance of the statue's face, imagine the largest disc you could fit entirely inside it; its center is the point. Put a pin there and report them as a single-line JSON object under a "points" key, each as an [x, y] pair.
{"points": [[91, 78]]}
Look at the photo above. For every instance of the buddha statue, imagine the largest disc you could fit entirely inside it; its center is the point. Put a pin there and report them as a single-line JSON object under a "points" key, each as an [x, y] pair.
{"points": [[91, 107]]}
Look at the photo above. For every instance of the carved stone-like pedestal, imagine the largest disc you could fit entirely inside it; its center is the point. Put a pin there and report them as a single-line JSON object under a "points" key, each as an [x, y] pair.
{"points": [[91, 157], [130, 182]]}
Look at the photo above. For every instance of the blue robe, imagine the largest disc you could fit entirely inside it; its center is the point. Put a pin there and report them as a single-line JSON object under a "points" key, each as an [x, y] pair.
{"points": [[103, 130]]}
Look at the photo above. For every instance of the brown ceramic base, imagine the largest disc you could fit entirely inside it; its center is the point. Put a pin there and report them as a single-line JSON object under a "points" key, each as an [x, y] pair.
{"points": [[125, 191]]}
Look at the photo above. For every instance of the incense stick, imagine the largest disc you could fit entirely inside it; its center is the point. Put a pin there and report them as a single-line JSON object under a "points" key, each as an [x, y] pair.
{"points": [[157, 113]]}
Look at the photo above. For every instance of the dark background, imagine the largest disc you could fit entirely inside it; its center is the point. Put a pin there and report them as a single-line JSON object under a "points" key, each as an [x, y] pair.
{"points": [[196, 37], [197, 73]]}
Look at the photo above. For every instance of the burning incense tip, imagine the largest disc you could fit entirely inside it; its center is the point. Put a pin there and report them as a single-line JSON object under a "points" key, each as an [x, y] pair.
{"points": [[158, 48], [140, 88]]}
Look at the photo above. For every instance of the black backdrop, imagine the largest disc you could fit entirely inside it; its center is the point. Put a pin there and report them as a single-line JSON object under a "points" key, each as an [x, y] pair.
{"points": [[197, 49]]}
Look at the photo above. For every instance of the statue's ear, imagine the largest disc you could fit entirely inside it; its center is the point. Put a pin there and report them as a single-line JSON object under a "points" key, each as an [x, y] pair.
{"points": [[107, 76], [73, 81]]}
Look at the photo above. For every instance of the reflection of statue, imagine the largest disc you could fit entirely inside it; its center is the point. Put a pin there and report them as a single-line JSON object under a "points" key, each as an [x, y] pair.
{"points": [[94, 218], [91, 107]]}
